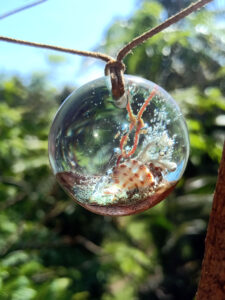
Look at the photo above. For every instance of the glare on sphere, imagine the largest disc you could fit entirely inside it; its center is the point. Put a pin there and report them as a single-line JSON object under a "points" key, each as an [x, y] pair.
{"points": [[118, 159]]}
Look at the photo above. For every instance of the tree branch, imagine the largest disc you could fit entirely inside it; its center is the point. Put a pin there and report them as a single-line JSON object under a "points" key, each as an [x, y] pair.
{"points": [[212, 282], [65, 241]]}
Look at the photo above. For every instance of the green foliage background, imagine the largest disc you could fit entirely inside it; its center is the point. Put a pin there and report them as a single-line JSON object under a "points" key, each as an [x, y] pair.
{"points": [[52, 249]]}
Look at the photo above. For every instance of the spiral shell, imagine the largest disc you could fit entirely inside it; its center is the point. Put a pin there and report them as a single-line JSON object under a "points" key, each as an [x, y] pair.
{"points": [[132, 174]]}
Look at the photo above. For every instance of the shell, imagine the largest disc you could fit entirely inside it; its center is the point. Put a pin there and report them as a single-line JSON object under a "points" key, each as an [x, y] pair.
{"points": [[132, 174]]}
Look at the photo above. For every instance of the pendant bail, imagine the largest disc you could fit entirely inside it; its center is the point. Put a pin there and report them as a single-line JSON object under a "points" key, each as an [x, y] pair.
{"points": [[116, 69]]}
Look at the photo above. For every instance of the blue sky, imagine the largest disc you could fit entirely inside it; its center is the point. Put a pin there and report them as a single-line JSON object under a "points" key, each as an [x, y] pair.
{"points": [[70, 23], [79, 24]]}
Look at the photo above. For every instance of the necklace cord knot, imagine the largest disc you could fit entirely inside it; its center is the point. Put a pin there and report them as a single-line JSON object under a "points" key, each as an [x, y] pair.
{"points": [[115, 69]]}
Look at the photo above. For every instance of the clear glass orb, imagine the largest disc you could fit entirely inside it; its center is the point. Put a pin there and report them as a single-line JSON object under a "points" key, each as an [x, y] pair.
{"points": [[118, 157]]}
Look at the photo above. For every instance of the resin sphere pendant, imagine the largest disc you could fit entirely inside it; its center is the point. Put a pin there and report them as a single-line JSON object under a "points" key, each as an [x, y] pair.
{"points": [[118, 157]]}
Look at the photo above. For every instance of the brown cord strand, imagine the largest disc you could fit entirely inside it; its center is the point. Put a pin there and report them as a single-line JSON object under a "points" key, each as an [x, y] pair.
{"points": [[101, 56], [150, 33], [114, 67], [19, 9]]}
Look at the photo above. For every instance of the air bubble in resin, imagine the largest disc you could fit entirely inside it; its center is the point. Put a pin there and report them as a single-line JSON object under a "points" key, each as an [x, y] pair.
{"points": [[118, 161]]}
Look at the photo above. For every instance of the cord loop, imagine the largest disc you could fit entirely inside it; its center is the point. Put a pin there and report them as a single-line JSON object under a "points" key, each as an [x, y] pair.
{"points": [[116, 69]]}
